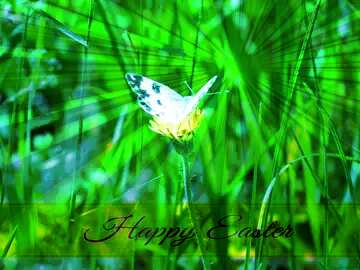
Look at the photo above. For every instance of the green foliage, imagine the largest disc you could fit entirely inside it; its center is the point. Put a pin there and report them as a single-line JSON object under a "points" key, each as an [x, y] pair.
{"points": [[279, 139]]}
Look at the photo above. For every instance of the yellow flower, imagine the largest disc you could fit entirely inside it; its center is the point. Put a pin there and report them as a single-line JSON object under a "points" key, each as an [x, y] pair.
{"points": [[181, 131]]}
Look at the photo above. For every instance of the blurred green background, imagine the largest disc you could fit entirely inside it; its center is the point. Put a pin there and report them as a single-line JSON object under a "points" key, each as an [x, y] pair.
{"points": [[279, 139]]}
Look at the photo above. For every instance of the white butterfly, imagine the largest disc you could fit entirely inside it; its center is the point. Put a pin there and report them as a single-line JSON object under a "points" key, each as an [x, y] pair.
{"points": [[159, 100]]}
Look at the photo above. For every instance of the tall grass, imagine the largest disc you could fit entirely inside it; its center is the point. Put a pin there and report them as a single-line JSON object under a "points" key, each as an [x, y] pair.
{"points": [[278, 140]]}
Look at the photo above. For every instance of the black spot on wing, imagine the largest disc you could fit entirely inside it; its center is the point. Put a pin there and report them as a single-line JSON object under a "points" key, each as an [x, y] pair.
{"points": [[142, 93], [144, 105], [146, 108], [159, 102], [134, 80], [135, 83], [156, 87]]}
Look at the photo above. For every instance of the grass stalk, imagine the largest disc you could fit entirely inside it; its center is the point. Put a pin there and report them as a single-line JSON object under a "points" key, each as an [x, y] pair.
{"points": [[253, 196], [8, 244], [284, 123], [189, 201], [84, 85]]}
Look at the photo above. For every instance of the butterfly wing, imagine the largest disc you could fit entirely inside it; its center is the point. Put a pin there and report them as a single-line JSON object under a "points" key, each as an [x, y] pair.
{"points": [[157, 99], [193, 101]]}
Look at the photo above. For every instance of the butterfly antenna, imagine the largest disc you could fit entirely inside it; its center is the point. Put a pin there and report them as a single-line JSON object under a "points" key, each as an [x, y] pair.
{"points": [[191, 91], [216, 93]]}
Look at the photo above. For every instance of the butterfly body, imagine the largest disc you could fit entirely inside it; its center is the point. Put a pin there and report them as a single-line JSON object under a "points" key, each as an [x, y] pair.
{"points": [[161, 101]]}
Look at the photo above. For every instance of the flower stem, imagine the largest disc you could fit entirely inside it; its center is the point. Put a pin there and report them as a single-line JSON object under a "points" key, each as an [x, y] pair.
{"points": [[189, 201]]}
